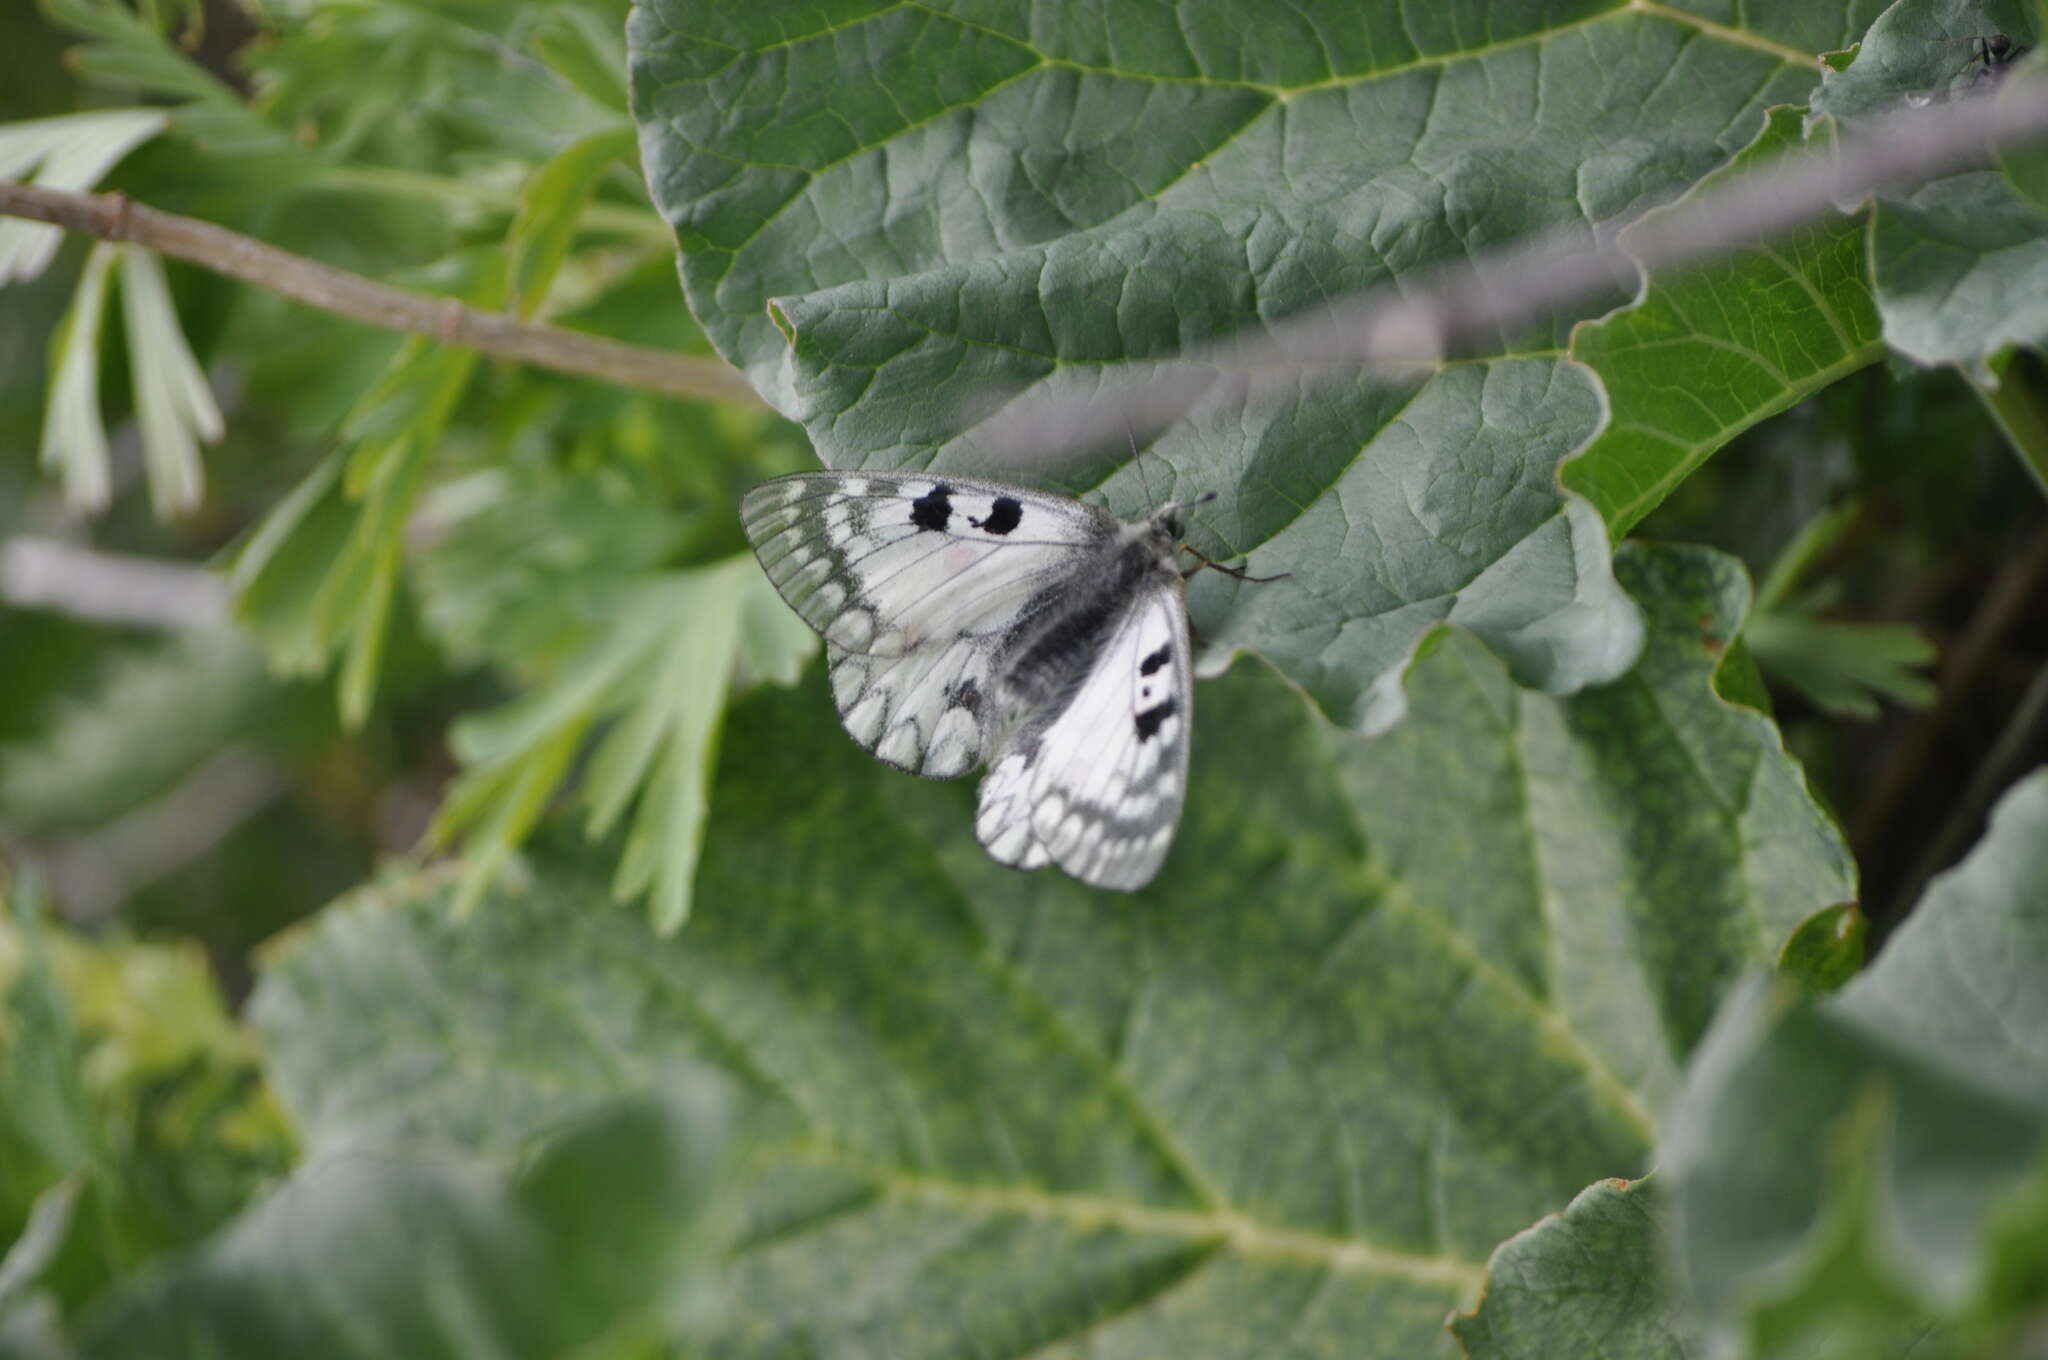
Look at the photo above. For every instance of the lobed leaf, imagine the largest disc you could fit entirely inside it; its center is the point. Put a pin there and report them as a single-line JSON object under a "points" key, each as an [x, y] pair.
{"points": [[1390, 1001], [657, 668], [889, 213]]}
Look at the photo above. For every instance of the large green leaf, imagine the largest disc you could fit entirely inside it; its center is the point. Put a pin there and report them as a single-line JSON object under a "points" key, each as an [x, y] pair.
{"points": [[887, 213], [1960, 264], [1391, 1001]]}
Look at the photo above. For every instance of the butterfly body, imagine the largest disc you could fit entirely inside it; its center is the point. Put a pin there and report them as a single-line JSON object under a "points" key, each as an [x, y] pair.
{"points": [[970, 622]]}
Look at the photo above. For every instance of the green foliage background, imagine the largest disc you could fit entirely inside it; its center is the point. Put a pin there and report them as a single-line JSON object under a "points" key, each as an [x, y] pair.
{"points": [[486, 942]]}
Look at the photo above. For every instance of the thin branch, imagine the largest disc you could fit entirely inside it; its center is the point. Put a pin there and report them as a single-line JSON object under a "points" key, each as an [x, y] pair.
{"points": [[1400, 330], [131, 592], [114, 217]]}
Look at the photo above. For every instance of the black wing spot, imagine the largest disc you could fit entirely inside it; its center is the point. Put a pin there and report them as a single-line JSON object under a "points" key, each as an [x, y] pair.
{"points": [[1149, 720], [965, 694], [1156, 660], [933, 508], [1004, 515]]}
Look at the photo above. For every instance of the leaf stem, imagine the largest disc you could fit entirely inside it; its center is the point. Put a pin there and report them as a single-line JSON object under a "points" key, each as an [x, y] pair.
{"points": [[2017, 410], [113, 217]]}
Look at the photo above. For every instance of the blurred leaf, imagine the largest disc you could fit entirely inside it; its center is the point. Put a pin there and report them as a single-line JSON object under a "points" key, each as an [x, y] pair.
{"points": [[74, 436], [1842, 667], [1960, 264], [131, 54], [1391, 1001], [587, 1245], [1815, 539], [1827, 949], [123, 1076], [1947, 1031], [1847, 1297], [174, 405], [1707, 352], [319, 574], [887, 217], [1845, 668], [524, 562], [1591, 1272], [131, 732], [2015, 1288], [49, 1221], [70, 153], [44, 1112], [431, 88], [587, 50], [550, 209], [659, 667]]}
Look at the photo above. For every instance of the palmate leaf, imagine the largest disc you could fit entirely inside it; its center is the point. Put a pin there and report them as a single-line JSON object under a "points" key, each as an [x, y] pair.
{"points": [[1390, 1002], [658, 666], [887, 213]]}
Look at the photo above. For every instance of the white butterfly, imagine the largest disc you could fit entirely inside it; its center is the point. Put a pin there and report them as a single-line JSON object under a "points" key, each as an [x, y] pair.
{"points": [[968, 622]]}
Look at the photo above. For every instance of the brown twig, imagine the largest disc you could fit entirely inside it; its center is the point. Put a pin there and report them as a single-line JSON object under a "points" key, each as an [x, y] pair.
{"points": [[114, 217]]}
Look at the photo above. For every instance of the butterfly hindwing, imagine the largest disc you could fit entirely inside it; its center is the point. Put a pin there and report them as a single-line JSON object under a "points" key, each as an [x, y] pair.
{"points": [[913, 581], [1097, 786]]}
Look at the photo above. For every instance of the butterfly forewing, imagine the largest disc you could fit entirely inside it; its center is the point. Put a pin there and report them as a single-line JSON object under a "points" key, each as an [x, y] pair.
{"points": [[914, 581], [1097, 786]]}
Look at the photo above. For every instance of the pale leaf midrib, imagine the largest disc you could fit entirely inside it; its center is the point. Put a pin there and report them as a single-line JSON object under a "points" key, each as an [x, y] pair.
{"points": [[1239, 1232]]}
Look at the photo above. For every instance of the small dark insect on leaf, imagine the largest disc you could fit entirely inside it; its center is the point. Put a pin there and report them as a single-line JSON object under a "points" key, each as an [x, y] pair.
{"points": [[1993, 53]]}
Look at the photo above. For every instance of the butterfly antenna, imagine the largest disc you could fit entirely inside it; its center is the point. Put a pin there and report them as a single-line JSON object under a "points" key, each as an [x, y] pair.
{"points": [[1239, 572]]}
